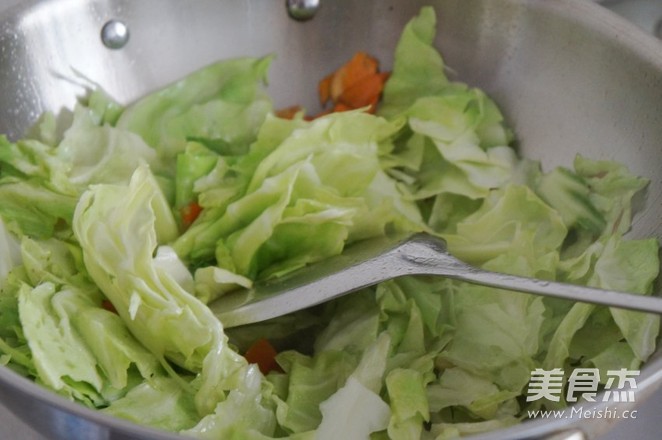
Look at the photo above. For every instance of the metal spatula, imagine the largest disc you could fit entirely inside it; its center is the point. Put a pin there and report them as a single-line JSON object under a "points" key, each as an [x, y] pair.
{"points": [[372, 261]]}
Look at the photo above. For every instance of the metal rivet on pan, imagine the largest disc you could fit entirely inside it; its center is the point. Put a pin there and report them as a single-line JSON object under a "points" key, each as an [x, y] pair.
{"points": [[302, 9], [114, 34]]}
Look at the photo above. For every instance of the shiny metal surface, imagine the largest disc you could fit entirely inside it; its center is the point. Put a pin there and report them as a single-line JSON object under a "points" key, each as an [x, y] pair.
{"points": [[647, 14], [373, 261], [302, 9], [115, 34], [570, 76]]}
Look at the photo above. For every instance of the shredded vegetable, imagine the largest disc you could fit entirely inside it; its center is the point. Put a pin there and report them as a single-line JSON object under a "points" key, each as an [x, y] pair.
{"points": [[116, 235]]}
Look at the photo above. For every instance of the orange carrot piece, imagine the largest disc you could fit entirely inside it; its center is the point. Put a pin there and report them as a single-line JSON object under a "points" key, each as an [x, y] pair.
{"points": [[363, 92], [341, 107], [189, 213], [106, 304], [263, 354], [324, 89], [288, 112], [356, 84], [360, 66]]}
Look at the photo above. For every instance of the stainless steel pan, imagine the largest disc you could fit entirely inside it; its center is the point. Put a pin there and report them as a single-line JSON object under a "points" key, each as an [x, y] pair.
{"points": [[570, 77]]}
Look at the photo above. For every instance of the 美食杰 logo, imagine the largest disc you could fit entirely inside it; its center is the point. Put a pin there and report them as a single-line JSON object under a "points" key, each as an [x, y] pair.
{"points": [[619, 386], [583, 383]]}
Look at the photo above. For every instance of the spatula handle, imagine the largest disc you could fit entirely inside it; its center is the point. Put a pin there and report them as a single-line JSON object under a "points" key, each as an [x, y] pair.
{"points": [[374, 261], [425, 256]]}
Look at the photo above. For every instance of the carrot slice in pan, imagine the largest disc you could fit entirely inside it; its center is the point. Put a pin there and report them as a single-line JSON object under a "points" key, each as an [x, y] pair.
{"points": [[363, 92], [356, 84], [189, 213], [263, 354]]}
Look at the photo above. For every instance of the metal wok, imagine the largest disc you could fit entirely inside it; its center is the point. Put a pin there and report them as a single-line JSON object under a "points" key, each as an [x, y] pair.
{"points": [[570, 77]]}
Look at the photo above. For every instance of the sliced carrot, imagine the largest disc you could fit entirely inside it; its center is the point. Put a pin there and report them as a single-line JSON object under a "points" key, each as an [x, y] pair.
{"points": [[362, 93], [385, 76], [288, 112], [341, 107], [359, 67], [106, 304], [263, 354], [190, 213], [324, 89], [356, 84], [337, 84]]}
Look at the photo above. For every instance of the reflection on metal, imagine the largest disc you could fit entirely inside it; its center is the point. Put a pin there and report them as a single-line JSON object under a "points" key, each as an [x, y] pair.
{"points": [[302, 9], [568, 435], [658, 29], [115, 34], [646, 14]]}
